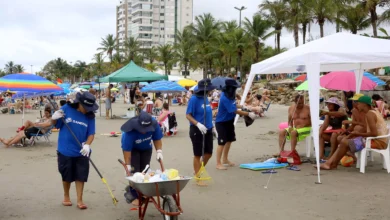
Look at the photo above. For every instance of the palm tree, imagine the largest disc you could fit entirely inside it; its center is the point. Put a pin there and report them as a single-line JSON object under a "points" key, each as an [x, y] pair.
{"points": [[151, 54], [185, 48], [80, 68], [276, 14], [293, 20], [9, 67], [306, 18], [108, 45], [131, 48], [2, 73], [167, 56], [258, 29], [229, 26], [99, 63], [340, 6], [354, 19], [370, 6], [323, 10], [239, 41], [18, 68], [205, 29]]}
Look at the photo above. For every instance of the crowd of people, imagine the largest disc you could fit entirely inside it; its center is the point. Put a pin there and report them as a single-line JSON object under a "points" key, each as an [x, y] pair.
{"points": [[344, 127]]}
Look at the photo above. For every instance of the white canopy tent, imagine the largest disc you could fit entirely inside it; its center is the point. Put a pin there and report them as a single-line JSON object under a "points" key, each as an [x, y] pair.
{"points": [[337, 52]]}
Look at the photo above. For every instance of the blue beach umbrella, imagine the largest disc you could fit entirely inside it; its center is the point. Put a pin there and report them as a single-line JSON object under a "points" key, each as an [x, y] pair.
{"points": [[163, 86]]}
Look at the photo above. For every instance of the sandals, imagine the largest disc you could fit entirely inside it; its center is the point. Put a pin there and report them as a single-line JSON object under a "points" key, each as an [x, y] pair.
{"points": [[293, 168]]}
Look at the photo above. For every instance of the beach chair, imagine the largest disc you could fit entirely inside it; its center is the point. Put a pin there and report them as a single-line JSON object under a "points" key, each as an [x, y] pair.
{"points": [[266, 109], [38, 135], [367, 152]]}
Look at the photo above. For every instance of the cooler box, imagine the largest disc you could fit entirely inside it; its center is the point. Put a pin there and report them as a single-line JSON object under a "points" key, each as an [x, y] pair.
{"points": [[214, 105]]}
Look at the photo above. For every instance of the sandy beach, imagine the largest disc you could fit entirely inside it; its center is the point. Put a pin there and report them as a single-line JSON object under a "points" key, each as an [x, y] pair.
{"points": [[31, 187]]}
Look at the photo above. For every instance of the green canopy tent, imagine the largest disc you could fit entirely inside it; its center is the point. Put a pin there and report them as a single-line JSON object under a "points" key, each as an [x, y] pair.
{"points": [[132, 73]]}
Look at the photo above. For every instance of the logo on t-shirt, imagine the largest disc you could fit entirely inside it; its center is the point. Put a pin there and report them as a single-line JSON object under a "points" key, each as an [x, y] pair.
{"points": [[68, 120]]}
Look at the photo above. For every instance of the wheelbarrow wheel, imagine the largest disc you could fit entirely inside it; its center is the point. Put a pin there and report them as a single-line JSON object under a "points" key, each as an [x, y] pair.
{"points": [[169, 205]]}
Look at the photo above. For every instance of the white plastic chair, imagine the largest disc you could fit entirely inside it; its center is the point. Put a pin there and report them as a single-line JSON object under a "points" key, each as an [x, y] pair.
{"points": [[362, 155], [309, 139]]}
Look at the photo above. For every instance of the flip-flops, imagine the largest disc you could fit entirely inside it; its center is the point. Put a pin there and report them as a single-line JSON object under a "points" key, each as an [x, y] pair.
{"points": [[269, 172], [293, 168]]}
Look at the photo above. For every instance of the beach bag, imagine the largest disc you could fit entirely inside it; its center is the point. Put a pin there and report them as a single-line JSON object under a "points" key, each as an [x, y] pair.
{"points": [[291, 157]]}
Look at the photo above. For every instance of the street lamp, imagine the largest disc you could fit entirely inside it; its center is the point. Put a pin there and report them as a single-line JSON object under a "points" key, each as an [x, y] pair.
{"points": [[240, 9], [31, 69]]}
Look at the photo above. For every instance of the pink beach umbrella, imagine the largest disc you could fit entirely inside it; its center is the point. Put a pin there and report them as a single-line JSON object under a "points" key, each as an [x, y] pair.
{"points": [[345, 81]]}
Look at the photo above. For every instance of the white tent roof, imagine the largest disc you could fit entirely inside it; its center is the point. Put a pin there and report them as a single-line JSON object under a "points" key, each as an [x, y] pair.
{"points": [[337, 52]]}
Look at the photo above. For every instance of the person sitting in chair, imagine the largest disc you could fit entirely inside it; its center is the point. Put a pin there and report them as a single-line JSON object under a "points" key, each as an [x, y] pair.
{"points": [[30, 129], [299, 124]]}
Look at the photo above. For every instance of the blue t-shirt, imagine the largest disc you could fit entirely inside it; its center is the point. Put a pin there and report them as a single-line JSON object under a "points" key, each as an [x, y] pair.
{"points": [[136, 140], [82, 127], [196, 109], [226, 109]]}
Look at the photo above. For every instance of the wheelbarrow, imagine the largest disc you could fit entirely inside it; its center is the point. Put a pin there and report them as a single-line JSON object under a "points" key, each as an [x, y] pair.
{"points": [[167, 194]]}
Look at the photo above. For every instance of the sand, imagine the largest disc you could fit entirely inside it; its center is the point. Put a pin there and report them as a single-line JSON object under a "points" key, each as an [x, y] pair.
{"points": [[31, 185]]}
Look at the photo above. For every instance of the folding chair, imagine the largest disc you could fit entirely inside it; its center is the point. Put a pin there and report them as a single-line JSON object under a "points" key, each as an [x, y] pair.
{"points": [[38, 135]]}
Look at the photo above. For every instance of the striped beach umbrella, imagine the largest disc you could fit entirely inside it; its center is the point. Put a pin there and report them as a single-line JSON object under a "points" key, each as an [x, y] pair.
{"points": [[27, 83]]}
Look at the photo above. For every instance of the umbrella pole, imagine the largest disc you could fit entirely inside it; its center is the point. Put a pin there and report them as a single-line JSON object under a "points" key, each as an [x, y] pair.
{"points": [[24, 101], [100, 94]]}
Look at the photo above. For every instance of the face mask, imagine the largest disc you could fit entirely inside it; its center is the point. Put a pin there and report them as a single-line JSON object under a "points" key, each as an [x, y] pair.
{"points": [[230, 92]]}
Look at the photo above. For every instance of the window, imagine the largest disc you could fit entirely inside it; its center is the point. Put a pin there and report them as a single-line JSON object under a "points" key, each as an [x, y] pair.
{"points": [[162, 7], [188, 22], [161, 21], [161, 14], [162, 29], [156, 35], [187, 14]]}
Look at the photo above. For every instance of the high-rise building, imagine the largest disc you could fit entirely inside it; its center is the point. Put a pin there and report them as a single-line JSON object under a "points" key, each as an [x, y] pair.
{"points": [[152, 22]]}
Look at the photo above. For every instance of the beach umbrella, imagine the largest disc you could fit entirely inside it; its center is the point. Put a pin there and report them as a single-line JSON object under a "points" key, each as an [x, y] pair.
{"points": [[80, 90], [375, 79], [305, 86], [114, 89], [193, 88], [85, 86], [187, 82], [345, 81], [175, 78], [163, 86], [87, 83], [28, 83], [302, 78], [219, 82]]}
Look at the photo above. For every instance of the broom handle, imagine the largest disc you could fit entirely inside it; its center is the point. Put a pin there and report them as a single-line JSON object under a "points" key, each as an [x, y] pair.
{"points": [[204, 118]]}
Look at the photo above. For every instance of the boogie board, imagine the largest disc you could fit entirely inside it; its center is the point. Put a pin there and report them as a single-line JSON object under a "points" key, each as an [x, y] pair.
{"points": [[263, 166]]}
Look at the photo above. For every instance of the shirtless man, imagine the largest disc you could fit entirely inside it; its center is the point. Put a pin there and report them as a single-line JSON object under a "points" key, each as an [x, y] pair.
{"points": [[299, 124], [108, 101], [266, 94]]}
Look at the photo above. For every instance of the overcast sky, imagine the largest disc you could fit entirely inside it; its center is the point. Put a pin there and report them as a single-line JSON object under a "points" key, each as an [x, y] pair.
{"points": [[35, 32]]}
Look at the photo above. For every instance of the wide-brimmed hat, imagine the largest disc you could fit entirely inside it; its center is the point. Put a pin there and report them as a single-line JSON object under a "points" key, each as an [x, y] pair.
{"points": [[231, 83], [333, 100], [204, 85], [366, 100], [87, 100], [142, 123], [356, 96]]}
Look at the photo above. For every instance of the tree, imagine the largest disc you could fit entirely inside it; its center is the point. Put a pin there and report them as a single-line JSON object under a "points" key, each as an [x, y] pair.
{"points": [[258, 30], [99, 63], [151, 67], [185, 48], [293, 20], [79, 68], [240, 42], [340, 6], [354, 19], [370, 6], [150, 54], [2, 73], [166, 55], [131, 48], [9, 67], [323, 10], [18, 68], [306, 18], [205, 30], [108, 45], [275, 12]]}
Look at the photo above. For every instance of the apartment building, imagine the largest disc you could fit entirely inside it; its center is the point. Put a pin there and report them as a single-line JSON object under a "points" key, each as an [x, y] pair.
{"points": [[152, 22]]}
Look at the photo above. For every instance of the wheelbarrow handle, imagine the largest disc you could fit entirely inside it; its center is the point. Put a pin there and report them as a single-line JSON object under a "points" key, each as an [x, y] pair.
{"points": [[162, 165], [125, 166]]}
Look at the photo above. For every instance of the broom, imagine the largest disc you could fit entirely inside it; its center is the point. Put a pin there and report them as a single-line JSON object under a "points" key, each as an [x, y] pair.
{"points": [[202, 177]]}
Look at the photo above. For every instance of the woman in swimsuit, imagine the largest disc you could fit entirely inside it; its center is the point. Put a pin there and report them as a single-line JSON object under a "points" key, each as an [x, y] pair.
{"points": [[333, 119]]}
